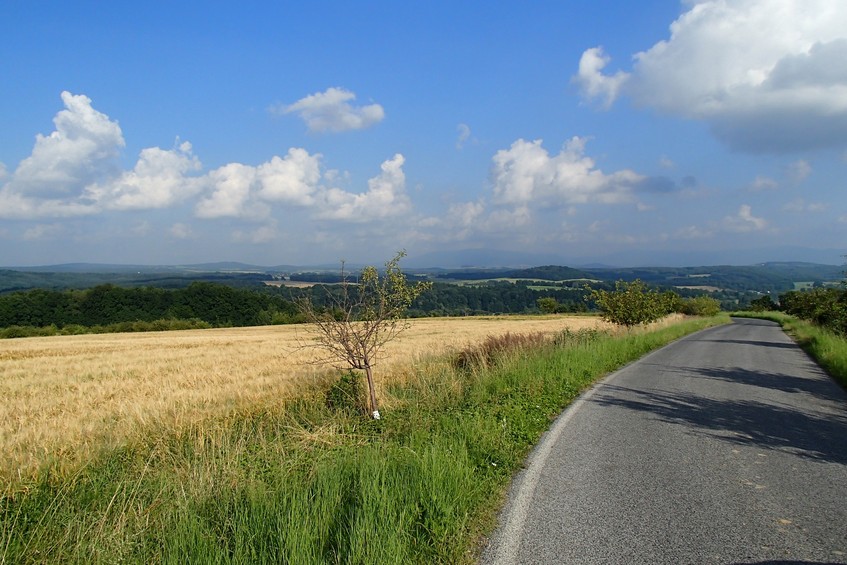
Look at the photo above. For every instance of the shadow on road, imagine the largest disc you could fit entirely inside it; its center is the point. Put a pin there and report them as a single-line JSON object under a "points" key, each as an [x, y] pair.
{"points": [[776, 345], [820, 437], [823, 388]]}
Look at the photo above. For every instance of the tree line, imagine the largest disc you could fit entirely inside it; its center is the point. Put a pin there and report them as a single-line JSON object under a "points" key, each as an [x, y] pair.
{"points": [[214, 304], [826, 307], [109, 307]]}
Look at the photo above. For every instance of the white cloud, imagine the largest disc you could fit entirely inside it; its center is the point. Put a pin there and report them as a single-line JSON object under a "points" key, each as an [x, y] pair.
{"points": [[76, 171], [464, 134], [331, 111], [744, 221], [239, 190], [500, 221], [386, 196], [180, 231], [763, 183], [799, 205], [666, 163], [525, 173], [693, 232], [231, 191], [591, 80], [767, 75], [84, 147], [798, 171], [291, 179], [465, 214], [158, 180], [14, 205]]}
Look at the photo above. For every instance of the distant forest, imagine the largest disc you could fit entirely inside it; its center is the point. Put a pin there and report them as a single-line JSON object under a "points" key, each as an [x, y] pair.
{"points": [[170, 300]]}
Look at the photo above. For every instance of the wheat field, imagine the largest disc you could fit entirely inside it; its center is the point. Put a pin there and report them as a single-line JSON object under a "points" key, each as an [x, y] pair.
{"points": [[67, 397]]}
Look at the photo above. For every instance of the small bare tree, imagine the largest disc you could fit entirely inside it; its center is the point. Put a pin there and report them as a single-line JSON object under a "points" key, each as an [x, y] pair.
{"points": [[362, 317]]}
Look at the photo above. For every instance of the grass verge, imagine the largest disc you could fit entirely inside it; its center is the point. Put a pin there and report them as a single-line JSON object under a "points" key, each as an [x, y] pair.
{"points": [[828, 349], [312, 482]]}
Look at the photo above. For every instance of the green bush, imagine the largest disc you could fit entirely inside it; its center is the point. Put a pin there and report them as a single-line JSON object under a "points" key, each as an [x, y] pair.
{"points": [[347, 394], [631, 303], [701, 306], [826, 307]]}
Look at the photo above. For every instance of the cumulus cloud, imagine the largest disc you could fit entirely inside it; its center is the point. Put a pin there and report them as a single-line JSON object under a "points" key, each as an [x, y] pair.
{"points": [[386, 196], [666, 162], [331, 111], [798, 171], [744, 221], [464, 132], [76, 171], [292, 179], [83, 148], [238, 190], [591, 80], [231, 190], [799, 205], [526, 173], [763, 183], [158, 180], [180, 231], [767, 75]]}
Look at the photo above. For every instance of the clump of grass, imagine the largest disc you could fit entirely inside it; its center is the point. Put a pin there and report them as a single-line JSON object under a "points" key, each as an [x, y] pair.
{"points": [[486, 354], [310, 483]]}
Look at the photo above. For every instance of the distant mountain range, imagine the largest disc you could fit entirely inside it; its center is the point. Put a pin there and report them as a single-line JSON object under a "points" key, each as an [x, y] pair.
{"points": [[487, 258], [493, 259], [763, 277]]}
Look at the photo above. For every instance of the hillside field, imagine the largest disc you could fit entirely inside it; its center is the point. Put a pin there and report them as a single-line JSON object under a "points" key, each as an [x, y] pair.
{"points": [[67, 398]]}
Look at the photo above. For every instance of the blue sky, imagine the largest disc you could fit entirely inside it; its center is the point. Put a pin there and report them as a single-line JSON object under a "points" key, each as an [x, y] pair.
{"points": [[651, 132]]}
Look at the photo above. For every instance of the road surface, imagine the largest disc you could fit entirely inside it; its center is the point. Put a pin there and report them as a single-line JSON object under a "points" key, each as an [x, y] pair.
{"points": [[728, 446]]}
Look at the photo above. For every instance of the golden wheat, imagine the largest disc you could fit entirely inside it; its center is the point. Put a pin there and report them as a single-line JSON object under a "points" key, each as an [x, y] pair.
{"points": [[66, 398]]}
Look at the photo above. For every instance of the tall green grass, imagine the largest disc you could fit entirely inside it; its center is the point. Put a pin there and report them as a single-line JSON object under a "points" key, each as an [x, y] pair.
{"points": [[827, 348], [314, 482]]}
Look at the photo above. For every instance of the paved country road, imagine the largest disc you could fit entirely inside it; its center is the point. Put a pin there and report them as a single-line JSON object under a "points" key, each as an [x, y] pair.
{"points": [[728, 446]]}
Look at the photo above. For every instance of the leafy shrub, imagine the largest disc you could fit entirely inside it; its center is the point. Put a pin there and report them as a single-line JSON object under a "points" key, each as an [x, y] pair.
{"points": [[763, 304], [701, 306], [826, 307], [347, 394], [631, 303]]}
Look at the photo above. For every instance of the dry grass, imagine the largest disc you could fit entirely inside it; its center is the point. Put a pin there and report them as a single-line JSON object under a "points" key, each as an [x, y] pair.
{"points": [[66, 398]]}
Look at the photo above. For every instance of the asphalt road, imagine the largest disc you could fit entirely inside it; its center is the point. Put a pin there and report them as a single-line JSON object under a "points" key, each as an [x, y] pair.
{"points": [[728, 446]]}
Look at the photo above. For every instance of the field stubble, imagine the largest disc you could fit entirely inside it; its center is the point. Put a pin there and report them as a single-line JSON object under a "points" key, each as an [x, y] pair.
{"points": [[67, 398]]}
